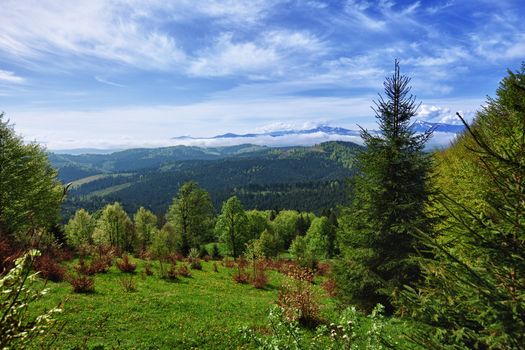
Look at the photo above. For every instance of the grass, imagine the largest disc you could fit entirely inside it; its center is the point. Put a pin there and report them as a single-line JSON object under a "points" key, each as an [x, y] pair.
{"points": [[204, 311]]}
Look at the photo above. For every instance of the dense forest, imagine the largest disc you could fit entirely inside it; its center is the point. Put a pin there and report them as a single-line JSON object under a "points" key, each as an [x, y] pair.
{"points": [[301, 178], [426, 252]]}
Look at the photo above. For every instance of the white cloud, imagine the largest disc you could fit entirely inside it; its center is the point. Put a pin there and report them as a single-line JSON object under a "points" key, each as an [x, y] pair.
{"points": [[94, 28], [447, 115], [10, 77], [273, 53]]}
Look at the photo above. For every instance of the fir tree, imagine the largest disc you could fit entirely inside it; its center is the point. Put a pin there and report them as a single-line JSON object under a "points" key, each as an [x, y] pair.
{"points": [[377, 233]]}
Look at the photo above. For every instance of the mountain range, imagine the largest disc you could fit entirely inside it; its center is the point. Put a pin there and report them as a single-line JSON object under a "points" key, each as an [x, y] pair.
{"points": [[417, 126]]}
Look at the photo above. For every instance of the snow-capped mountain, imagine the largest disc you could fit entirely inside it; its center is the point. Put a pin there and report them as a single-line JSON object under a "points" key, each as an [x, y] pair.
{"points": [[417, 126], [423, 126]]}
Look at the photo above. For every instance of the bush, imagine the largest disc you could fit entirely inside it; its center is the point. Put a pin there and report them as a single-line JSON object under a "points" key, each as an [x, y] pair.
{"points": [[299, 300], [353, 330], [260, 280], [50, 269], [83, 269], [240, 276], [128, 284], [125, 265], [18, 327], [82, 283], [184, 271], [101, 264]]}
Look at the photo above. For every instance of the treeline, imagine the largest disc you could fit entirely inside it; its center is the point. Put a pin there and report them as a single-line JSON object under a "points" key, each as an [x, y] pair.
{"points": [[190, 223]]}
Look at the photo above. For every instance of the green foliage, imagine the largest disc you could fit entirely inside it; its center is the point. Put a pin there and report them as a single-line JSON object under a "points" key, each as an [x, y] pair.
{"points": [[30, 194], [390, 193], [473, 292], [257, 223], [114, 228], [285, 227], [191, 214], [269, 244], [231, 227], [18, 293], [352, 331], [145, 226], [79, 230]]}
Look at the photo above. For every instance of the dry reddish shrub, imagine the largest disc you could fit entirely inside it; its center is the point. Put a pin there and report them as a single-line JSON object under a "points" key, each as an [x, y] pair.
{"points": [[242, 262], [82, 283], [299, 302], [330, 287], [50, 269], [101, 264], [125, 265], [184, 271], [323, 269], [260, 280], [206, 258], [229, 263], [215, 267], [300, 274], [240, 276]]}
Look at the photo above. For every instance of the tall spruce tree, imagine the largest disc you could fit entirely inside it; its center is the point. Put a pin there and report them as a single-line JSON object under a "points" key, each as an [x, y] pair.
{"points": [[376, 235]]}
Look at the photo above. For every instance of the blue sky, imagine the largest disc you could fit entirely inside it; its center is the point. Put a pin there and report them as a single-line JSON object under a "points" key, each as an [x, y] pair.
{"points": [[128, 73]]}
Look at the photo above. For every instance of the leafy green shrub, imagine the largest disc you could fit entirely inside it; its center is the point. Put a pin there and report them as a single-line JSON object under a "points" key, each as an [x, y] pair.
{"points": [[17, 293], [353, 331]]}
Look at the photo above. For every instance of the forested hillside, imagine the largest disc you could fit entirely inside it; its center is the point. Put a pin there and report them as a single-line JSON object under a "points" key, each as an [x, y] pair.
{"points": [[301, 178]]}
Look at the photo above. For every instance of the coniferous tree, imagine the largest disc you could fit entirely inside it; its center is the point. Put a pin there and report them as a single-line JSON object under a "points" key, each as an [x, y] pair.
{"points": [[377, 233]]}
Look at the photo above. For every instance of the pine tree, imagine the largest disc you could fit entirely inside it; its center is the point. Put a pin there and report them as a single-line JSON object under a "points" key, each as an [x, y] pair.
{"points": [[376, 236]]}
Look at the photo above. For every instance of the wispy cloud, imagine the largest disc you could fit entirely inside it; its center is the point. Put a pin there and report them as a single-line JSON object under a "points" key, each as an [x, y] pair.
{"points": [[10, 77], [107, 82]]}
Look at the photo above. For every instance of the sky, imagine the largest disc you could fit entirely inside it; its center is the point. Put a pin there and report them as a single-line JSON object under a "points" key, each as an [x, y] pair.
{"points": [[129, 73]]}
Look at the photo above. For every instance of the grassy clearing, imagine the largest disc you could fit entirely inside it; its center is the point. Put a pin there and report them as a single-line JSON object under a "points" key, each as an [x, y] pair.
{"points": [[204, 311]]}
